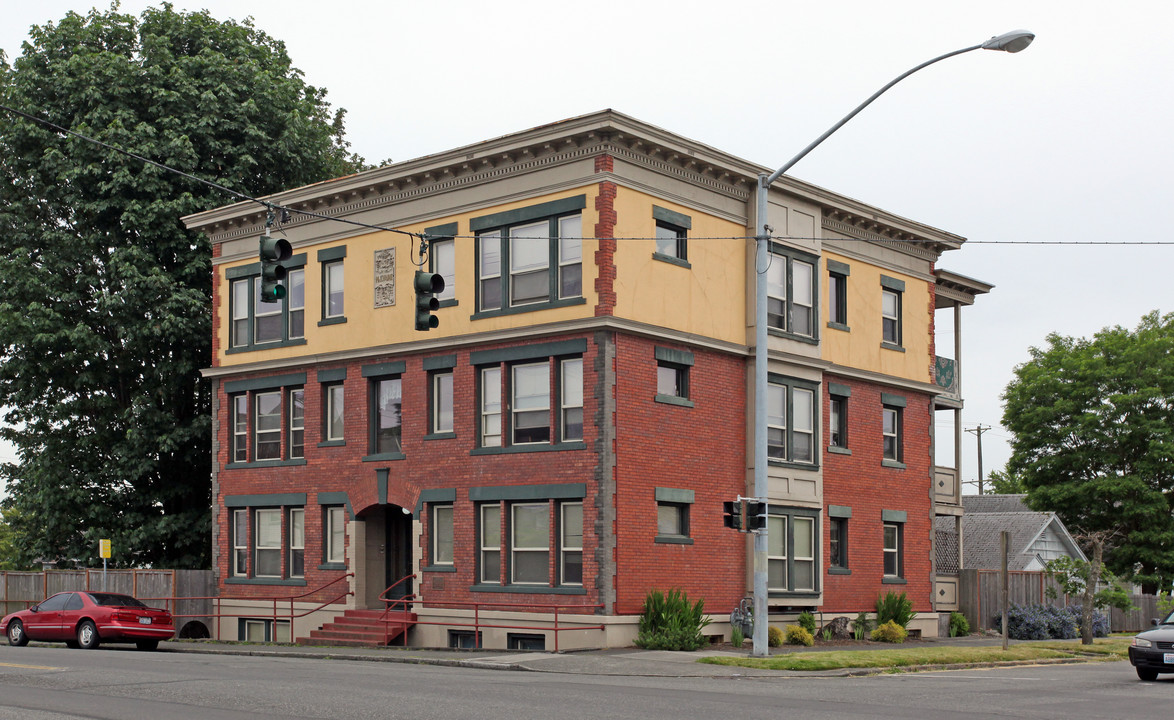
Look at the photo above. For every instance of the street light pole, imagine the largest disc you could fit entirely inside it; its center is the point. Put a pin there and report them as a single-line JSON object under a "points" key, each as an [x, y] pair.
{"points": [[1011, 42]]}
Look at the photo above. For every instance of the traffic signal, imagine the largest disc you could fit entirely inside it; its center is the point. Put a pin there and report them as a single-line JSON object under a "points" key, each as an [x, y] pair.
{"points": [[732, 514], [427, 285], [755, 515], [274, 251]]}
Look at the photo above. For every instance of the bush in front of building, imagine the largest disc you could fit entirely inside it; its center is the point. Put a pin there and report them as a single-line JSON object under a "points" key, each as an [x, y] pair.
{"points": [[1045, 622], [669, 622], [890, 632], [959, 625], [894, 607], [807, 622], [799, 636], [774, 636]]}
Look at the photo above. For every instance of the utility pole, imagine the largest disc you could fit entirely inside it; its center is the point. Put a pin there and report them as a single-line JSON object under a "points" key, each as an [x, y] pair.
{"points": [[978, 431]]}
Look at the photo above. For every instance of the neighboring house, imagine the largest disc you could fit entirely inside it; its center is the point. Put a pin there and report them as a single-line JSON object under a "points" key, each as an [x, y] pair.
{"points": [[1036, 537], [570, 430]]}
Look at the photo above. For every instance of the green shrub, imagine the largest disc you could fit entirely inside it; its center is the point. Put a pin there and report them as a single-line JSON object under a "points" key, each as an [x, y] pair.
{"points": [[890, 632], [861, 626], [799, 636], [959, 625], [807, 622], [736, 637], [894, 607], [827, 634], [774, 636], [669, 622]]}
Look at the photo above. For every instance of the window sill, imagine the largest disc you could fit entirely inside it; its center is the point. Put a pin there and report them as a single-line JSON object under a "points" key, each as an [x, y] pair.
{"points": [[836, 450], [529, 589], [793, 593], [440, 436], [384, 456], [332, 321], [893, 464], [332, 443], [838, 326], [265, 581], [894, 581], [671, 260], [673, 540], [265, 464], [512, 449], [531, 307], [772, 462], [439, 568], [673, 400], [839, 571], [776, 332], [265, 346], [332, 566], [891, 346]]}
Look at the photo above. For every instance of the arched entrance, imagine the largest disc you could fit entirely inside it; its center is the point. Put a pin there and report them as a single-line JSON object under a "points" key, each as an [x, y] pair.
{"points": [[388, 552]]}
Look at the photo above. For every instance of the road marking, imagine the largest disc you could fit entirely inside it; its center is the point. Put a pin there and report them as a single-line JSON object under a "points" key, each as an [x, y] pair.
{"points": [[30, 667], [932, 675]]}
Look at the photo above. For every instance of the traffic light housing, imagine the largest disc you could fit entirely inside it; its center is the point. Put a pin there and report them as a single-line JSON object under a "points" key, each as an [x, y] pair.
{"points": [[427, 285], [732, 514], [274, 251], [755, 515]]}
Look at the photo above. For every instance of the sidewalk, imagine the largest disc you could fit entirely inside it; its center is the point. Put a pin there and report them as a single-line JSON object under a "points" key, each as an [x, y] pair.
{"points": [[613, 661]]}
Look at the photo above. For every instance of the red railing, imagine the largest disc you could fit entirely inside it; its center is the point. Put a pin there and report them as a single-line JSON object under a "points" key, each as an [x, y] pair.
{"points": [[408, 603]]}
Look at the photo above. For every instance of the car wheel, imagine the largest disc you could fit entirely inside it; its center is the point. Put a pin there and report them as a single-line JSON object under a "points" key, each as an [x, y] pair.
{"points": [[87, 635], [1147, 674], [16, 634], [147, 644]]}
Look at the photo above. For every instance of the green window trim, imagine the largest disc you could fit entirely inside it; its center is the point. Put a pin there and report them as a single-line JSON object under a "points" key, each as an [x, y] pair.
{"points": [[264, 501], [564, 206], [672, 217], [839, 390], [674, 495], [676, 357], [521, 493], [893, 400], [273, 382], [894, 516], [334, 499], [839, 511], [435, 495], [839, 268], [529, 589], [289, 582], [254, 269], [671, 260], [441, 232], [892, 283], [529, 448], [440, 362], [397, 367], [292, 462], [536, 351], [330, 254], [332, 376]]}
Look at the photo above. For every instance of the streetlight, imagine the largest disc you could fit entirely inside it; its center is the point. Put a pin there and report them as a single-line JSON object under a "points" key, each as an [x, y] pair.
{"points": [[1011, 42]]}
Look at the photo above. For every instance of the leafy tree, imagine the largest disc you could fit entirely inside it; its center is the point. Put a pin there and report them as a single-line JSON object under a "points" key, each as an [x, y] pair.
{"points": [[1004, 483], [1096, 586], [1093, 426], [105, 311]]}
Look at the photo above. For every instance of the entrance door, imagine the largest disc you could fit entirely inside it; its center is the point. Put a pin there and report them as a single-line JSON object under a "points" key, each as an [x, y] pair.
{"points": [[398, 525]]}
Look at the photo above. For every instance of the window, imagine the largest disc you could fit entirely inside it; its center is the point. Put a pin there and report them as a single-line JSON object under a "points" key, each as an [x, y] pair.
{"points": [[838, 542], [790, 420], [525, 641], [671, 241], [791, 560], [255, 324], [464, 639], [891, 431], [491, 407], [240, 543], [672, 519], [240, 428], [442, 400], [444, 263], [267, 560], [791, 292], [837, 295], [531, 403], [297, 542], [571, 544], [442, 535], [333, 417], [267, 424], [891, 317], [297, 423], [571, 379], [490, 560], [530, 257], [838, 422], [335, 536], [386, 416], [672, 380], [333, 290], [892, 549], [530, 543], [257, 630]]}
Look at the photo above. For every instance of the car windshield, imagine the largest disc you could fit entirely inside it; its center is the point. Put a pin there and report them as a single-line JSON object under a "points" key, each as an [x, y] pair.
{"points": [[113, 600], [1169, 619]]}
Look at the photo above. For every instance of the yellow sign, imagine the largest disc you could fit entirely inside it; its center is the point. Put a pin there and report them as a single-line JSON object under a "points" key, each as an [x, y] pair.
{"points": [[104, 548]]}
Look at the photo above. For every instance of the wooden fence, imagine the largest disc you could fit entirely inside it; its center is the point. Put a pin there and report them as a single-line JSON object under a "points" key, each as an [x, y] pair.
{"points": [[978, 599], [161, 588]]}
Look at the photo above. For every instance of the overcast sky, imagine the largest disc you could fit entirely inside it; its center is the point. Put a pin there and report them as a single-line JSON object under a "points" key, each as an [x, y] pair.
{"points": [[1068, 140]]}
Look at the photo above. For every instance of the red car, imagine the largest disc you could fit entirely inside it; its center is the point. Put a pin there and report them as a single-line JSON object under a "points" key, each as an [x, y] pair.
{"points": [[85, 619]]}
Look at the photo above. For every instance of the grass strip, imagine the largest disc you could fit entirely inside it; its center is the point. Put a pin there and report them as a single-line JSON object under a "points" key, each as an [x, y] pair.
{"points": [[899, 657]]}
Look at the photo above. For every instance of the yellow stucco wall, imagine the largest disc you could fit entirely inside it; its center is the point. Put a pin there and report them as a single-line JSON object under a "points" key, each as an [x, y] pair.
{"points": [[707, 299], [860, 347]]}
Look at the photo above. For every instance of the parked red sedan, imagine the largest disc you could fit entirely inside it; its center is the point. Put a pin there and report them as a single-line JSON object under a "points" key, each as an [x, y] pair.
{"points": [[85, 619]]}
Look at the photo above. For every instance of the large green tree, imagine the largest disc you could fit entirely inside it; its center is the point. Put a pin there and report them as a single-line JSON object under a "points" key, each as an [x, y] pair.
{"points": [[1093, 427], [105, 312]]}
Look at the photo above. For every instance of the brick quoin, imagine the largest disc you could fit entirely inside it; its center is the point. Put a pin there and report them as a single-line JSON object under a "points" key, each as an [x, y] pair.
{"points": [[605, 255], [860, 482], [216, 305]]}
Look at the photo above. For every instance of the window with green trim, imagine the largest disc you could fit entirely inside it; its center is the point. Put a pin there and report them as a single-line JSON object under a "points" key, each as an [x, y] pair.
{"points": [[545, 401], [791, 292], [334, 538], [893, 550], [672, 240], [333, 290], [790, 421], [838, 421], [442, 534], [837, 298], [791, 550], [838, 542], [443, 261], [253, 324], [529, 260], [891, 432], [386, 415]]}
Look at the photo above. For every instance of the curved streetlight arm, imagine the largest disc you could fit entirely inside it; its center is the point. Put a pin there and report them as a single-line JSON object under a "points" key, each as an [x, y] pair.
{"points": [[802, 153]]}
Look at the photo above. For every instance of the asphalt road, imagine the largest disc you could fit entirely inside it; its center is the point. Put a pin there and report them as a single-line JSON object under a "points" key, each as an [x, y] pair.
{"points": [[45, 683]]}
